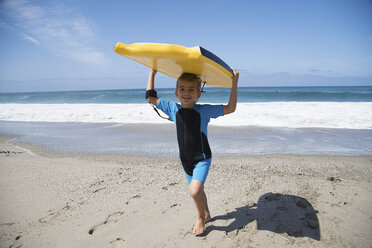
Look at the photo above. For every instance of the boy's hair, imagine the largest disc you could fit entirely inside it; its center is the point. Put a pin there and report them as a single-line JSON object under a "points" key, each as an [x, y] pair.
{"points": [[190, 78]]}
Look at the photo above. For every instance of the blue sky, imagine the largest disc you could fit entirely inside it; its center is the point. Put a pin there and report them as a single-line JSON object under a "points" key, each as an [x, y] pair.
{"points": [[68, 45]]}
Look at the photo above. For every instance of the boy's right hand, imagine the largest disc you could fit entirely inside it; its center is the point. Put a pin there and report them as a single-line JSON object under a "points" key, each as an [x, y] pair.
{"points": [[150, 86]]}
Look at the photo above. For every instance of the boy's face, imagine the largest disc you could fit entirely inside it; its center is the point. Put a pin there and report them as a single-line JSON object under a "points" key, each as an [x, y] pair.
{"points": [[188, 93]]}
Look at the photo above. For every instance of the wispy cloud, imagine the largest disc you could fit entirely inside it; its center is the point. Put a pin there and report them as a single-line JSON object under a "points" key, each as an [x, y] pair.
{"points": [[30, 38], [57, 27]]}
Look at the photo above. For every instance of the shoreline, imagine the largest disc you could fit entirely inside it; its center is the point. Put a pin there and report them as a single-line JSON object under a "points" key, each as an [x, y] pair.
{"points": [[42, 151], [101, 200], [160, 139]]}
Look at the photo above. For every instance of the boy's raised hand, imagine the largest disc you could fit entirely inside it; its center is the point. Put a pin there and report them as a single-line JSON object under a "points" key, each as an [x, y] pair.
{"points": [[235, 76], [153, 72], [151, 86], [231, 106]]}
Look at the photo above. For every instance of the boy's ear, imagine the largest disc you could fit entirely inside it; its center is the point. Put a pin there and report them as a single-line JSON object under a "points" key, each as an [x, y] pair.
{"points": [[199, 94], [176, 93]]}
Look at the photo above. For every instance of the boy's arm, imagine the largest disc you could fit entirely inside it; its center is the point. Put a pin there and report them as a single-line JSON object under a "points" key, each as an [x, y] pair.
{"points": [[231, 106], [150, 86]]}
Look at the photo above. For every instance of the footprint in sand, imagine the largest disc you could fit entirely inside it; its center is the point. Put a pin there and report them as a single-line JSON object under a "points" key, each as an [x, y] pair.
{"points": [[55, 214], [117, 242], [133, 197], [169, 185], [18, 242], [111, 219]]}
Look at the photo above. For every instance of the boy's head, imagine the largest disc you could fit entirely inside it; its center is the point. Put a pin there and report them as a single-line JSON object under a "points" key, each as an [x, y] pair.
{"points": [[188, 89], [190, 78]]}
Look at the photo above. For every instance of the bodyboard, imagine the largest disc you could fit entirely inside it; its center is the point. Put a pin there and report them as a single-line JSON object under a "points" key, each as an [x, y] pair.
{"points": [[173, 60]]}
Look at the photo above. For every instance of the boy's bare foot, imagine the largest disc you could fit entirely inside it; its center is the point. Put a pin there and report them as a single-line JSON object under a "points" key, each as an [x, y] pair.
{"points": [[199, 226], [206, 219]]}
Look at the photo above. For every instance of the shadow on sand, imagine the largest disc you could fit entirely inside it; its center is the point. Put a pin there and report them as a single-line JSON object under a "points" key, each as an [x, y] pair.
{"points": [[274, 212]]}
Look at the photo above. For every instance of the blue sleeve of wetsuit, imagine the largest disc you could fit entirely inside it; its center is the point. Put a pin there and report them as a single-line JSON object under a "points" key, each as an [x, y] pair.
{"points": [[212, 111], [169, 108]]}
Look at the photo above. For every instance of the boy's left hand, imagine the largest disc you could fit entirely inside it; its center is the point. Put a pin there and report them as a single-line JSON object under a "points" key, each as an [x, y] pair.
{"points": [[235, 76]]}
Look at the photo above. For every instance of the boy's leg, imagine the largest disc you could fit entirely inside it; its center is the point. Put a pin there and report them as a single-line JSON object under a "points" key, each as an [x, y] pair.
{"points": [[196, 189]]}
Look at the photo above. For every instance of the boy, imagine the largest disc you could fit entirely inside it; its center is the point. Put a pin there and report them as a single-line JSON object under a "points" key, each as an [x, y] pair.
{"points": [[191, 120]]}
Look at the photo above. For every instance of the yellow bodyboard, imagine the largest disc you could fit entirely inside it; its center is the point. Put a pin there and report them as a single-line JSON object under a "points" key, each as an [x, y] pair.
{"points": [[173, 60]]}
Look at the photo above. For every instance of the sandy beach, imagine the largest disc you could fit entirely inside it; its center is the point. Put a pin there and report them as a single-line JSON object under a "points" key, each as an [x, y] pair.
{"points": [[75, 200]]}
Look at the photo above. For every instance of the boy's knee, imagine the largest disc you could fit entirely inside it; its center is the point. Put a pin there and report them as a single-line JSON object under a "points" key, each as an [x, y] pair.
{"points": [[195, 190]]}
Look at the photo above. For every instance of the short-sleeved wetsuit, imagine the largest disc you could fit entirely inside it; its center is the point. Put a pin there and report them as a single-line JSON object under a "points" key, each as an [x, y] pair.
{"points": [[192, 132]]}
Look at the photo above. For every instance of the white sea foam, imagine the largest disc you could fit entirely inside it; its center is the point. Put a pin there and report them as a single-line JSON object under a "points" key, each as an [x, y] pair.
{"points": [[353, 115]]}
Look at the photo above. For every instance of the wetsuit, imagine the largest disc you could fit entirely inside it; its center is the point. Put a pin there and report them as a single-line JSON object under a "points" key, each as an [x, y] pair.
{"points": [[192, 133]]}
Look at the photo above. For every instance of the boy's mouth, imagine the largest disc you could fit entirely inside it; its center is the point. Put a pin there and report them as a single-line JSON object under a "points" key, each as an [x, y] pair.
{"points": [[186, 97]]}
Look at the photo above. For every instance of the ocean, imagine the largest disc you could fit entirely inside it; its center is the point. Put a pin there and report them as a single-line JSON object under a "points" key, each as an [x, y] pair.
{"points": [[268, 120], [211, 95]]}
